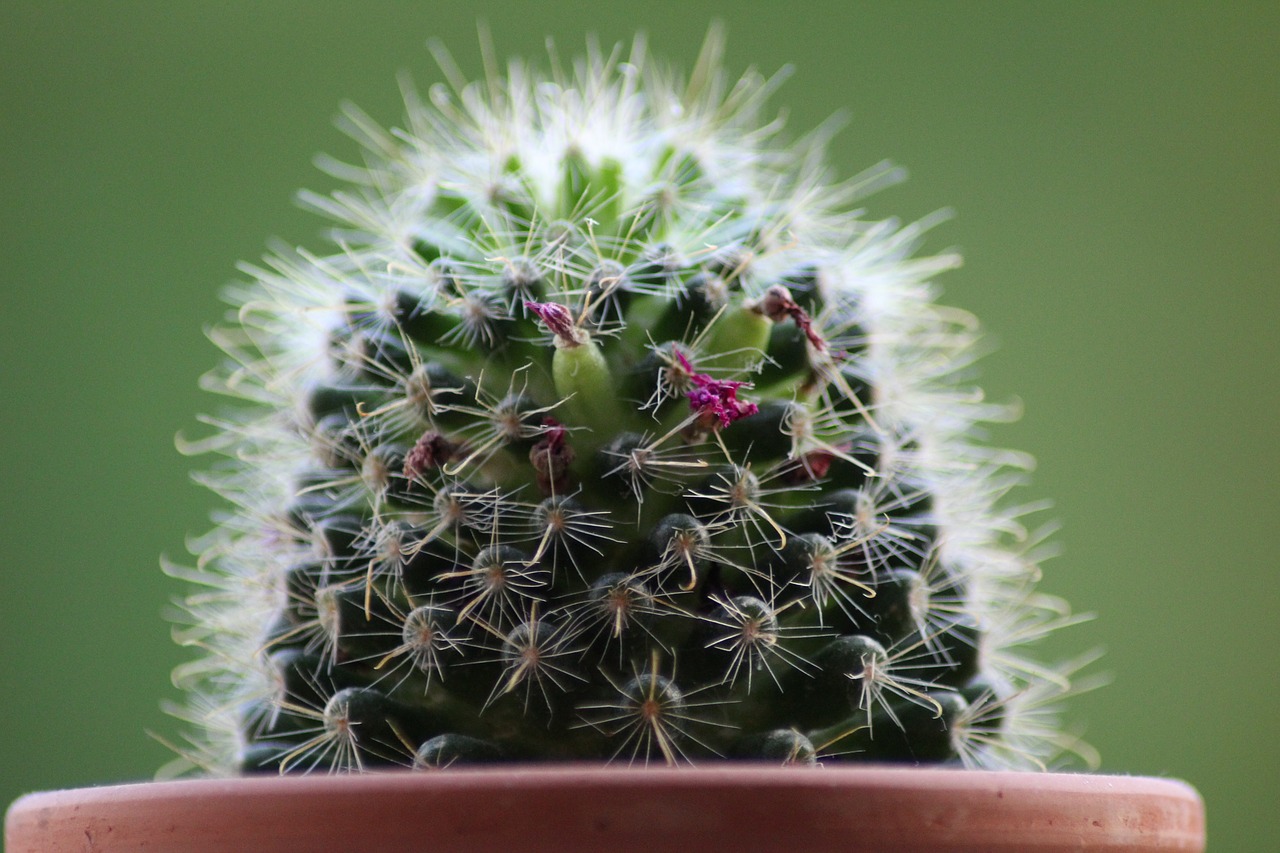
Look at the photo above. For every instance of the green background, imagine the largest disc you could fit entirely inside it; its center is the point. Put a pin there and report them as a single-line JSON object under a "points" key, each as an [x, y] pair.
{"points": [[1114, 168]]}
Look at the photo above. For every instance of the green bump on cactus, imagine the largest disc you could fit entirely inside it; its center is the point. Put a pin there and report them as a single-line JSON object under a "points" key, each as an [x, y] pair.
{"points": [[606, 431]]}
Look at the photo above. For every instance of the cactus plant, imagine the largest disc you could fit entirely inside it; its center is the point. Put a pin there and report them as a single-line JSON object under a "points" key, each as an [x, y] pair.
{"points": [[607, 429]]}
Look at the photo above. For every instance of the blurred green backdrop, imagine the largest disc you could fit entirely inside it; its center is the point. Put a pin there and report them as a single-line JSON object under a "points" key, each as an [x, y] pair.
{"points": [[1116, 173]]}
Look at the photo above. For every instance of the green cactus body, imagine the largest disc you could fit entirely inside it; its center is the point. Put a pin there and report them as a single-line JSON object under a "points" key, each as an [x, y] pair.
{"points": [[605, 433]]}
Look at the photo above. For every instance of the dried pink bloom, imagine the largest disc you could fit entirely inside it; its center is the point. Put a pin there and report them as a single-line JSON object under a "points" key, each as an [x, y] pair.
{"points": [[430, 452], [551, 458], [816, 464], [777, 305]]}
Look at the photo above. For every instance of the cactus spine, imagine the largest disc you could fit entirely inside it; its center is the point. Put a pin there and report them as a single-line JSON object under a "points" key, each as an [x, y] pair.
{"points": [[605, 431]]}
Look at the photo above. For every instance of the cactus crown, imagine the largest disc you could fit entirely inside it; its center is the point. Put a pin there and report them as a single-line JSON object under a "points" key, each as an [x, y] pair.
{"points": [[606, 431]]}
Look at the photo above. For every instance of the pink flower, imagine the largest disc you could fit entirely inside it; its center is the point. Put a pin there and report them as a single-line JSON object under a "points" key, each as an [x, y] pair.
{"points": [[715, 398]]}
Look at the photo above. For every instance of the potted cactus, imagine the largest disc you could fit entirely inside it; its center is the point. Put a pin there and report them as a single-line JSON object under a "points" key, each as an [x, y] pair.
{"points": [[608, 482]]}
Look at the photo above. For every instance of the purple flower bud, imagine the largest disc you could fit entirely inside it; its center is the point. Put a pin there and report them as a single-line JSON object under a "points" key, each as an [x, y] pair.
{"points": [[558, 321]]}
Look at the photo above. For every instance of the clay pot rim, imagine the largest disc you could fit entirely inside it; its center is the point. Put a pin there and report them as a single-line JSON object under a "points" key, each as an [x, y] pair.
{"points": [[574, 807], [516, 776]]}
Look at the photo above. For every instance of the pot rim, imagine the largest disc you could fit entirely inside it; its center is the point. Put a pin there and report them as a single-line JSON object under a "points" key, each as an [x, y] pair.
{"points": [[574, 807]]}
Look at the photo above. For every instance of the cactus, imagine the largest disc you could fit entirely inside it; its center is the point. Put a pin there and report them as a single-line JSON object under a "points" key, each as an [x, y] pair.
{"points": [[606, 430]]}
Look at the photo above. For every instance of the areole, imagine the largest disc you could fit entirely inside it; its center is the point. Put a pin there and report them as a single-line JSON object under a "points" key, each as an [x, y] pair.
{"points": [[575, 809]]}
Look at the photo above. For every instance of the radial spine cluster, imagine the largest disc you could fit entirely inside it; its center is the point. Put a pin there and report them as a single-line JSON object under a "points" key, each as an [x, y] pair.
{"points": [[607, 429]]}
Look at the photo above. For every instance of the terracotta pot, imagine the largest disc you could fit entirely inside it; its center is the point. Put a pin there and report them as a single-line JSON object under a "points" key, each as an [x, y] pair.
{"points": [[575, 809]]}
